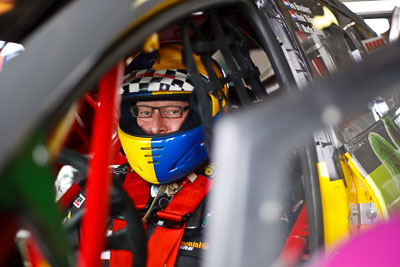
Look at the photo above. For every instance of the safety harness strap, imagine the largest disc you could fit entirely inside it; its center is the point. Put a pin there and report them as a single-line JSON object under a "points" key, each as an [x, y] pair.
{"points": [[164, 243], [120, 257], [163, 246], [137, 189]]}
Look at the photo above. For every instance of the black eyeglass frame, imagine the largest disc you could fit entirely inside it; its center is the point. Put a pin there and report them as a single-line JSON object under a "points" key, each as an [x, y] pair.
{"points": [[136, 114]]}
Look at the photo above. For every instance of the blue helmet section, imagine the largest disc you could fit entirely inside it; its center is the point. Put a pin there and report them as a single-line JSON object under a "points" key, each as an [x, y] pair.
{"points": [[179, 154]]}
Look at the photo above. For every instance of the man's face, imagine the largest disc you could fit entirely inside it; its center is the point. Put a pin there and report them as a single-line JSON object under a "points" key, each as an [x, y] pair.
{"points": [[157, 124]]}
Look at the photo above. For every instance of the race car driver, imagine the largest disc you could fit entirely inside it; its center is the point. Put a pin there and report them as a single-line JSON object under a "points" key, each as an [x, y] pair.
{"points": [[168, 176]]}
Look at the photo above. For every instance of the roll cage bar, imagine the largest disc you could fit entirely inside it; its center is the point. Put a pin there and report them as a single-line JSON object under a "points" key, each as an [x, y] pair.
{"points": [[21, 132]]}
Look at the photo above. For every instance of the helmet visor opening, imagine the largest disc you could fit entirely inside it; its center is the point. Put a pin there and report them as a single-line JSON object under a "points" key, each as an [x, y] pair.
{"points": [[128, 121]]}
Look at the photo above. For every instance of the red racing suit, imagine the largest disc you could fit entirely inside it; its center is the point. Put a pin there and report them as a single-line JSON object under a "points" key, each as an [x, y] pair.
{"points": [[175, 226]]}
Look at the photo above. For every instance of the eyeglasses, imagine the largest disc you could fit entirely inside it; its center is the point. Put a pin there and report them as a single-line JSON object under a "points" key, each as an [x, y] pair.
{"points": [[165, 111]]}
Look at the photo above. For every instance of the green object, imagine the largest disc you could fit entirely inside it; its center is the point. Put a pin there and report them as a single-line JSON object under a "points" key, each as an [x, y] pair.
{"points": [[387, 178], [26, 189], [392, 130]]}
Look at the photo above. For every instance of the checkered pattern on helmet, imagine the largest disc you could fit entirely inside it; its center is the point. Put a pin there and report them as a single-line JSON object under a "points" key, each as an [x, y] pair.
{"points": [[157, 80]]}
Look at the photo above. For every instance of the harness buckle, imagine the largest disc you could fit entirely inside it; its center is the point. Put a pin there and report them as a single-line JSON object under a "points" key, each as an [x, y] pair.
{"points": [[170, 220]]}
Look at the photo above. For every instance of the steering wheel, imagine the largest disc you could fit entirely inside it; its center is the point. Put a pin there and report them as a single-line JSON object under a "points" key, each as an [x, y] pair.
{"points": [[131, 238]]}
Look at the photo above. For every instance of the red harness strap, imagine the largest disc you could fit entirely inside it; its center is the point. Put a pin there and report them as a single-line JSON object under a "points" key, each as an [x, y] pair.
{"points": [[138, 190], [119, 258], [163, 245]]}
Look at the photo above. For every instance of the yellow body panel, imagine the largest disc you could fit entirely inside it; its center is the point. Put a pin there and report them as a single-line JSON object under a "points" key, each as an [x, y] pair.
{"points": [[367, 189], [335, 208]]}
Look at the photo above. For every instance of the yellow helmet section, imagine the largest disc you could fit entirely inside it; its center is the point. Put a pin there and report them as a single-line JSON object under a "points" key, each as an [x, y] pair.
{"points": [[171, 58], [215, 104], [170, 92], [138, 156]]}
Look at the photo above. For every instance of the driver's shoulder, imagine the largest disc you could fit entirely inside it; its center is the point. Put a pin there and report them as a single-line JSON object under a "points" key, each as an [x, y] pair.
{"points": [[207, 170]]}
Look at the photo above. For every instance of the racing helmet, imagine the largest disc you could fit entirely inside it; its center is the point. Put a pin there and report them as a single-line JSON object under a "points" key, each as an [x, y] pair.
{"points": [[161, 75]]}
